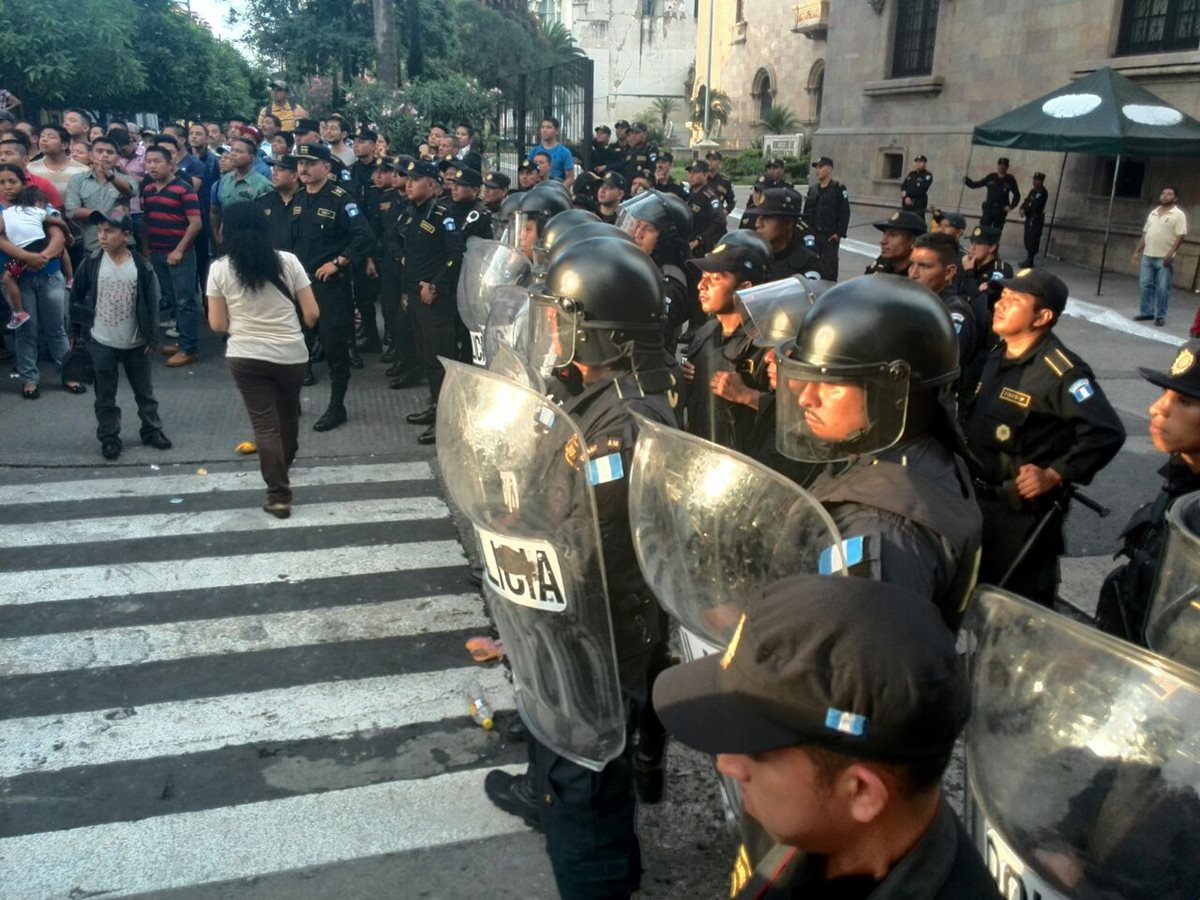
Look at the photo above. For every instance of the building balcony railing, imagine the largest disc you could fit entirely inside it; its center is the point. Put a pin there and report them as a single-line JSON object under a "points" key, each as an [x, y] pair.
{"points": [[812, 18]]}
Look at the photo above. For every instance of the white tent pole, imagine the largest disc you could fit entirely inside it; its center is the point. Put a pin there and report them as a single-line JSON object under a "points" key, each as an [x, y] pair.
{"points": [[1112, 196], [1054, 210], [967, 174]]}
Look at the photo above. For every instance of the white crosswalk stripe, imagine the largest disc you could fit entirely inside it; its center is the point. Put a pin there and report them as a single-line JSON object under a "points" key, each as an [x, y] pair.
{"points": [[310, 699]]}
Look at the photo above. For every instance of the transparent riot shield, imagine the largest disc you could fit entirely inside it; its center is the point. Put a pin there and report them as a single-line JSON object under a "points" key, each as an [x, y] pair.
{"points": [[1173, 623], [507, 322], [712, 528], [505, 454], [486, 266], [1083, 758], [503, 360]]}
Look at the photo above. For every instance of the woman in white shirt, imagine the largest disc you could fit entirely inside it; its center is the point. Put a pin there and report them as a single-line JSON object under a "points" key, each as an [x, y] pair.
{"points": [[259, 296]]}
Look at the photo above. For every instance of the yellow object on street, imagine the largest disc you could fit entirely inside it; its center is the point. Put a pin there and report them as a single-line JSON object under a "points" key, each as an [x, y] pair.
{"points": [[246, 447]]}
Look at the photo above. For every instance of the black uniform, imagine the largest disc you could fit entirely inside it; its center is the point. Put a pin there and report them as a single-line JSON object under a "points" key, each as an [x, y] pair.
{"points": [[972, 348], [1002, 195], [887, 267], [397, 321], [711, 417], [916, 188], [472, 159], [800, 257], [671, 186], [708, 218], [1125, 594], [280, 218], [977, 286], [587, 816], [1042, 408], [432, 253], [331, 224], [827, 211], [944, 865], [635, 160], [1034, 209], [366, 289], [724, 189], [470, 219], [604, 156]]}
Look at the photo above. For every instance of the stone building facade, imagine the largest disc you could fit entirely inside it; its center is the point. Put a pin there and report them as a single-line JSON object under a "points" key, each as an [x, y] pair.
{"points": [[907, 77], [642, 50], [765, 53]]}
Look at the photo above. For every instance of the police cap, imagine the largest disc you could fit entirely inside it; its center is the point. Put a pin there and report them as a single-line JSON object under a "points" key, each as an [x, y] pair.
{"points": [[623, 123], [902, 220], [468, 177], [422, 168], [956, 220], [698, 165], [666, 156], [614, 179], [1043, 284], [740, 260], [526, 165], [860, 667], [775, 163], [366, 134], [639, 127], [920, 158], [286, 162], [823, 161], [496, 180], [447, 162], [304, 126], [318, 152], [1184, 376], [778, 201], [984, 234], [1039, 176], [1002, 161], [714, 154]]}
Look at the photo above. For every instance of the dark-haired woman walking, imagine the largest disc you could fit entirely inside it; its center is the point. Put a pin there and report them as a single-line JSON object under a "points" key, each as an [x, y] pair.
{"points": [[259, 295]]}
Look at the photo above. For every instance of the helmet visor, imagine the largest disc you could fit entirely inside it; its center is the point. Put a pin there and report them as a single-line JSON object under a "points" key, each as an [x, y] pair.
{"points": [[522, 233], [552, 331], [771, 313], [833, 413]]}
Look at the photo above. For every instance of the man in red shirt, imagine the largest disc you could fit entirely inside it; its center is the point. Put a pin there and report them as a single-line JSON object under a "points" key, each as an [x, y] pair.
{"points": [[14, 148], [171, 222]]}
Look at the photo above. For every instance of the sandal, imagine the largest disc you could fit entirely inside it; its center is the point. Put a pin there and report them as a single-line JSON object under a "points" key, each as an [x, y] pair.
{"points": [[30, 392], [74, 388]]}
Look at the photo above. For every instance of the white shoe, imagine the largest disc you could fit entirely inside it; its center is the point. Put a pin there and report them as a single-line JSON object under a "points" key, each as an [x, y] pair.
{"points": [[172, 332]]}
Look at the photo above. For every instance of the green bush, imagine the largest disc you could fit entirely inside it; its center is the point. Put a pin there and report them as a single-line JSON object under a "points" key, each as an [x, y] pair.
{"points": [[749, 164]]}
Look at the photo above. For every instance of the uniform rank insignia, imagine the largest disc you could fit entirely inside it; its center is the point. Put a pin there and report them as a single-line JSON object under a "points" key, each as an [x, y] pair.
{"points": [[836, 557], [606, 469], [1183, 361], [426, 226], [1017, 398], [958, 319], [351, 210], [1003, 432], [326, 213], [1082, 390], [614, 443], [572, 452]]}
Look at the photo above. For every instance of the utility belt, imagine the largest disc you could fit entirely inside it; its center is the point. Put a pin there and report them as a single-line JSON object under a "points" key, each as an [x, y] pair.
{"points": [[1006, 492]]}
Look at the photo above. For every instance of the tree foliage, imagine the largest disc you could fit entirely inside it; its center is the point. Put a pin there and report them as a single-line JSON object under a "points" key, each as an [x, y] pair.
{"points": [[126, 55], [778, 120]]}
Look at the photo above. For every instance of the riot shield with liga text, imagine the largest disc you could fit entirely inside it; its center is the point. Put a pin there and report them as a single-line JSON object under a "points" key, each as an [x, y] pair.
{"points": [[712, 528], [486, 266], [504, 451], [1173, 623], [1083, 758]]}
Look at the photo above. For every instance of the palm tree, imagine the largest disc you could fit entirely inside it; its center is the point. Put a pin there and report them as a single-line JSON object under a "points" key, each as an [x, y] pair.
{"points": [[559, 41], [663, 107], [719, 106], [778, 120]]}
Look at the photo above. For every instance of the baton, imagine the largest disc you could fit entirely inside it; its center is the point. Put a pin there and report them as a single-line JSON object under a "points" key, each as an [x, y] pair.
{"points": [[1059, 505]]}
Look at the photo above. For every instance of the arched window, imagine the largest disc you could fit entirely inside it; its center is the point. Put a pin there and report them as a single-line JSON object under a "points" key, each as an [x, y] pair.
{"points": [[763, 91], [816, 89]]}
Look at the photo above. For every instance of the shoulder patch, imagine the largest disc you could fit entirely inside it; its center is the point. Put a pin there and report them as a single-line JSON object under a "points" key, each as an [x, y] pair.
{"points": [[605, 469], [1082, 390], [448, 224], [351, 209], [837, 557]]}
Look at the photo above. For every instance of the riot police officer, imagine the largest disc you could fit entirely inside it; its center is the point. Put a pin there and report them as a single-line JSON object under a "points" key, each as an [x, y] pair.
{"points": [[827, 210], [708, 216], [868, 387], [899, 229], [914, 192], [599, 313], [1038, 423], [722, 185], [1002, 195], [1033, 211], [429, 272], [793, 247], [660, 225], [536, 208], [330, 235], [495, 189]]}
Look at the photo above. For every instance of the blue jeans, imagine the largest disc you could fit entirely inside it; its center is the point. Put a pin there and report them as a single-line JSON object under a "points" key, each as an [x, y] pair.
{"points": [[1154, 278], [44, 298], [178, 287]]}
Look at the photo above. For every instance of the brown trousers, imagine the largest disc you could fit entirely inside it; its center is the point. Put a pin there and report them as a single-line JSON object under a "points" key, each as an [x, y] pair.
{"points": [[271, 392]]}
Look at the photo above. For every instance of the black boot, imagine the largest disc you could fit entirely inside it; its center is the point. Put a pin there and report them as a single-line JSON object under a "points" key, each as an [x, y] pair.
{"points": [[514, 795], [334, 416], [649, 771], [425, 417], [310, 377], [356, 361], [390, 355]]}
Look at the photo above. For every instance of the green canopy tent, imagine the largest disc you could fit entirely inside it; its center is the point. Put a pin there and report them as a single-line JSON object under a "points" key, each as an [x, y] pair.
{"points": [[1104, 114]]}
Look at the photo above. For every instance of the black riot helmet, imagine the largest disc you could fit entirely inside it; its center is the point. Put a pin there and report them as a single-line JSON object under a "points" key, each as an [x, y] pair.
{"points": [[601, 304], [537, 207], [752, 241], [875, 360], [502, 220], [585, 232], [662, 209], [558, 226]]}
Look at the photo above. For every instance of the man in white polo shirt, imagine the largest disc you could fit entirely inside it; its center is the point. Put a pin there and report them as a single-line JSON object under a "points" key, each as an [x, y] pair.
{"points": [[1163, 233]]}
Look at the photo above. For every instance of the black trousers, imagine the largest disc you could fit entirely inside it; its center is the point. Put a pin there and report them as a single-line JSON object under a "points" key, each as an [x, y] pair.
{"points": [[336, 330], [366, 294], [828, 251], [106, 361], [1033, 237], [993, 217], [435, 335], [397, 321], [1004, 533]]}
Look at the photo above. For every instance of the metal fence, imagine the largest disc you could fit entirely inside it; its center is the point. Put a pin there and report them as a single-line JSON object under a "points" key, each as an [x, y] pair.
{"points": [[563, 91]]}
